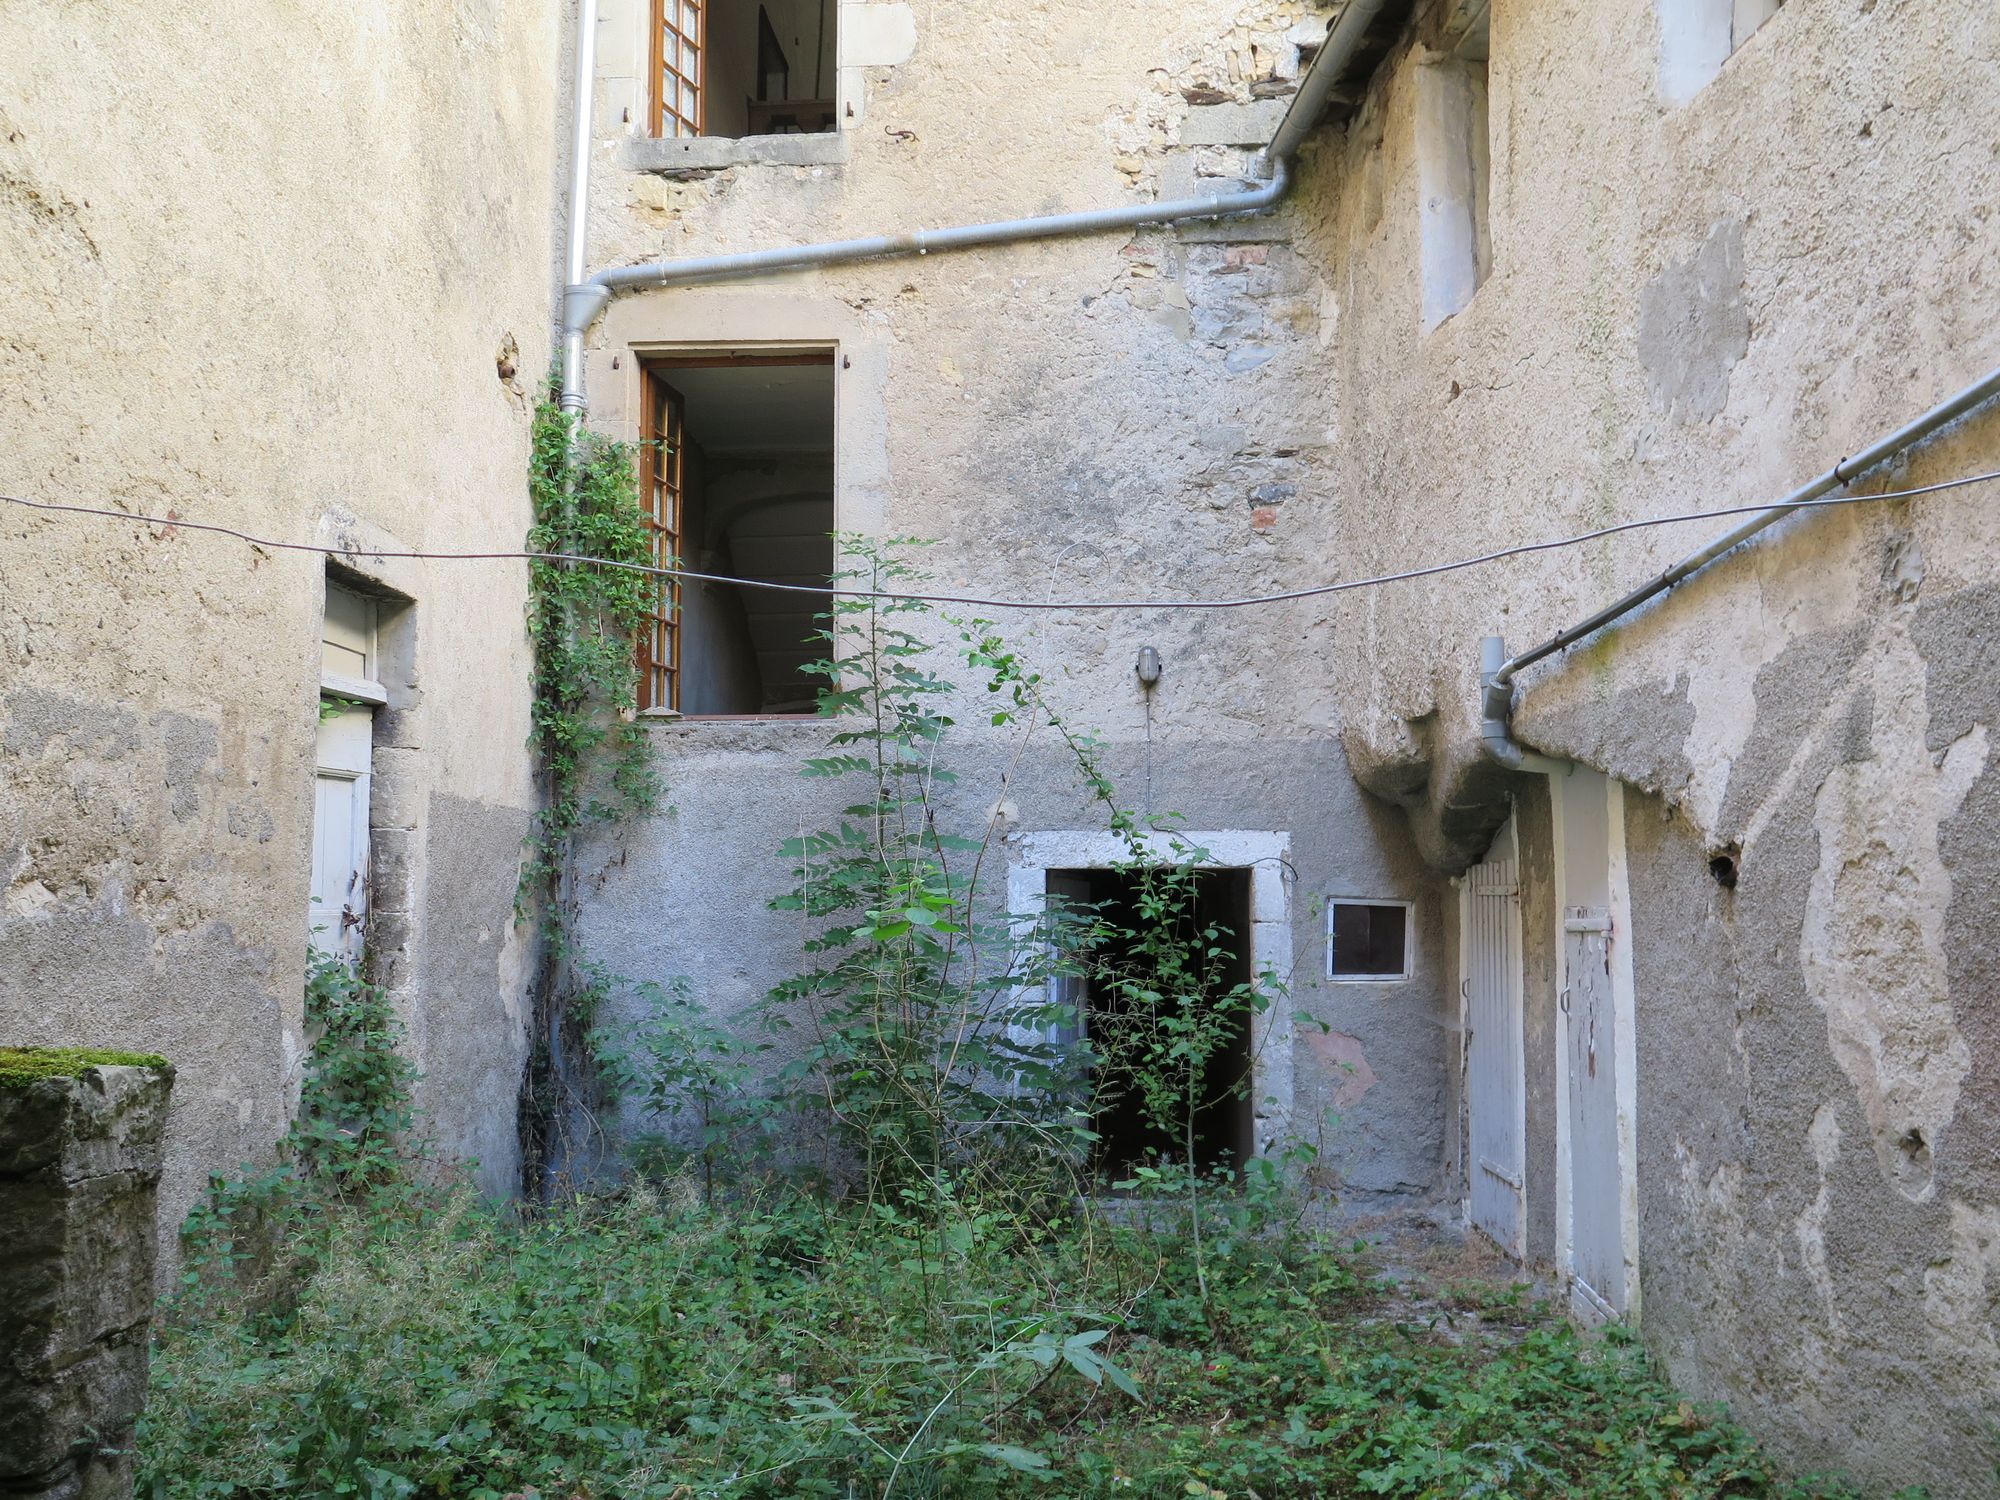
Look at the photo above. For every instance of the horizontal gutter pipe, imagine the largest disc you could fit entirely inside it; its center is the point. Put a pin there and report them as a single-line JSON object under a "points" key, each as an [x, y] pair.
{"points": [[584, 300], [583, 303], [1498, 670]]}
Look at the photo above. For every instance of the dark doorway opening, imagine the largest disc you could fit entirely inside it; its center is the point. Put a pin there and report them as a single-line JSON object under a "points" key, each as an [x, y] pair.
{"points": [[1224, 1134]]}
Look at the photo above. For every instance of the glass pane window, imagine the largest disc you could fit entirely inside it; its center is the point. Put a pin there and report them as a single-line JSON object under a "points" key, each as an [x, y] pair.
{"points": [[679, 39], [1368, 940]]}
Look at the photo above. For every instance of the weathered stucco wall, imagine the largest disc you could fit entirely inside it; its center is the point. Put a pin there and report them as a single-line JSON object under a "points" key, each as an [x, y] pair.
{"points": [[1123, 416], [1660, 332], [1692, 306], [1116, 414], [1369, 1068], [259, 271]]}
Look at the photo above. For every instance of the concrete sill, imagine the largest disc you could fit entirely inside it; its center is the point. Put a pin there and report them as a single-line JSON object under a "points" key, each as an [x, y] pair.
{"points": [[717, 153], [655, 718], [749, 719]]}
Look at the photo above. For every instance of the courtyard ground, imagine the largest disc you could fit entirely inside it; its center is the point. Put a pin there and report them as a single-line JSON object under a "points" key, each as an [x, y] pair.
{"points": [[784, 1343]]}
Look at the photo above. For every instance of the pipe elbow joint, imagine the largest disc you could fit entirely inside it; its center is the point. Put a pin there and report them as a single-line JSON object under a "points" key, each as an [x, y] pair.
{"points": [[1496, 715], [1497, 737], [582, 303]]}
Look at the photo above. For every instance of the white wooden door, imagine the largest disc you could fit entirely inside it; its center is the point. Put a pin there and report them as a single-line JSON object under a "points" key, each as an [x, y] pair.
{"points": [[1596, 1060], [1596, 1184], [1495, 1079], [340, 833]]}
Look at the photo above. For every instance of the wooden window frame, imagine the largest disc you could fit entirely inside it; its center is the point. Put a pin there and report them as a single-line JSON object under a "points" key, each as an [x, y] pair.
{"points": [[662, 501], [669, 120]]}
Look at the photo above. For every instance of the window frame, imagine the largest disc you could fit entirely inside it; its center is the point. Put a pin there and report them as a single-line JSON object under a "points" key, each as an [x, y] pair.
{"points": [[362, 639], [1409, 969], [687, 126], [662, 485]]}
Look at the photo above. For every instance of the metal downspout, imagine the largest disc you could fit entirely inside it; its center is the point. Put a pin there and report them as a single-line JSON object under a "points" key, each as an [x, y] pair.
{"points": [[1496, 711], [575, 262], [584, 299], [1497, 670], [1329, 66]]}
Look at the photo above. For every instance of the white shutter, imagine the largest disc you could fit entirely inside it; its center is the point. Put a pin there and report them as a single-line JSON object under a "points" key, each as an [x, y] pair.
{"points": [[340, 833], [1495, 1073]]}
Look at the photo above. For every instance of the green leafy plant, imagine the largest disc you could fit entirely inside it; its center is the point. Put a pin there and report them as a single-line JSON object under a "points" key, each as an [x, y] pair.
{"points": [[596, 762], [926, 1017], [351, 1139], [780, 1344], [678, 1064], [355, 1111]]}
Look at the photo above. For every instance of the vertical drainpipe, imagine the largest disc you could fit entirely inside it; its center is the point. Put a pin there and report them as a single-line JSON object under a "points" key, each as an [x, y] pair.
{"points": [[575, 235], [561, 973]]}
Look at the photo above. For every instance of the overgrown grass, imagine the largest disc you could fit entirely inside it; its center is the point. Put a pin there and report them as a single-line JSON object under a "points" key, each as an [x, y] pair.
{"points": [[659, 1347]]}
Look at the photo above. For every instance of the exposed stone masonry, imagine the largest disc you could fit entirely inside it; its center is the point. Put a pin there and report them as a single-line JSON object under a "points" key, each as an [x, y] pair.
{"points": [[79, 1172]]}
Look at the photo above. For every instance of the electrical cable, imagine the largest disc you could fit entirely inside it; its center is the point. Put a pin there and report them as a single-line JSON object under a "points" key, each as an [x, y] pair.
{"points": [[978, 602]]}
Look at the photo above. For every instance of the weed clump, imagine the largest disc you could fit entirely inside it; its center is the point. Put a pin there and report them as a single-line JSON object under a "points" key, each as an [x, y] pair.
{"points": [[779, 1344]]}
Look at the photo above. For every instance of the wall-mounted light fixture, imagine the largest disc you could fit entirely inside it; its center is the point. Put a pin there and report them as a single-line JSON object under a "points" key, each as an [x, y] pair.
{"points": [[1148, 665]]}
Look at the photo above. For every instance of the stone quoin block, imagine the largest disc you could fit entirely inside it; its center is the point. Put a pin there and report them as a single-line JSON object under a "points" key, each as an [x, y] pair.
{"points": [[80, 1143]]}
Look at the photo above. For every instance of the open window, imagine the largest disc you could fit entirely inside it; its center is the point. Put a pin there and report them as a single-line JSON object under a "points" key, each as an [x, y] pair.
{"points": [[1369, 942], [744, 67], [1106, 1009], [737, 477], [350, 691]]}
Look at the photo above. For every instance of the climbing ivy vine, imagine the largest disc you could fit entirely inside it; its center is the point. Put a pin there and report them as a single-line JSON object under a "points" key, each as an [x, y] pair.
{"points": [[595, 760]]}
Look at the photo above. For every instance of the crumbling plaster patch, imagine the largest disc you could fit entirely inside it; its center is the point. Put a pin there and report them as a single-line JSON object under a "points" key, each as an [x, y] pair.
{"points": [[1962, 1294], [1345, 1060], [1809, 1229], [1872, 946], [1694, 327]]}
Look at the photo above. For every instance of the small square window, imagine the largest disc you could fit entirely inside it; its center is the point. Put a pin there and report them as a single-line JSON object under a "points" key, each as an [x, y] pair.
{"points": [[1368, 940]]}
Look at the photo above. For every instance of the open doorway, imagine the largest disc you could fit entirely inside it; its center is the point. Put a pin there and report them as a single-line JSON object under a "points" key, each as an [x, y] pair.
{"points": [[1109, 998], [737, 481]]}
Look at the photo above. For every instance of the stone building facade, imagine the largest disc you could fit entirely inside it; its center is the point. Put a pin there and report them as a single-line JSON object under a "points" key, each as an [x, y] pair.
{"points": [[1694, 1014], [1688, 1002], [288, 273]]}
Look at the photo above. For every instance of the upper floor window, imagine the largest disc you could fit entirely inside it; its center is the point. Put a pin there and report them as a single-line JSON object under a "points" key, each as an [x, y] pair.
{"points": [[678, 26], [737, 482], [743, 67], [1455, 175], [1697, 37]]}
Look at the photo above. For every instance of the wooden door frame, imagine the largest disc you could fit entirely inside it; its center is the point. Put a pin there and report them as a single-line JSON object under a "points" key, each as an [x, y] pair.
{"points": [[666, 624]]}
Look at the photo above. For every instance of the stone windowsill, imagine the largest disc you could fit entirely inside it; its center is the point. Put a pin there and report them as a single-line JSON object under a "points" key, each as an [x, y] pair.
{"points": [[718, 153]]}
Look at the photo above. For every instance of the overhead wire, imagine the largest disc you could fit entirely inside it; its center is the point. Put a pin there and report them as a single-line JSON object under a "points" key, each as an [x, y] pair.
{"points": [[976, 601]]}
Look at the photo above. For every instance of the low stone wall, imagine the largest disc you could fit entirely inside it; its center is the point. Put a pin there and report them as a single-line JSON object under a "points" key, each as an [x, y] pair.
{"points": [[80, 1140]]}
